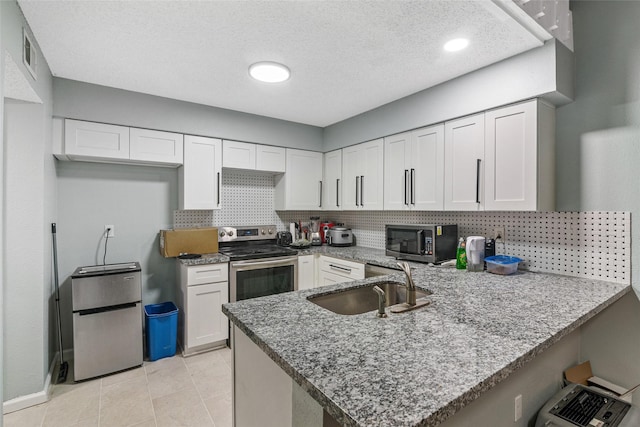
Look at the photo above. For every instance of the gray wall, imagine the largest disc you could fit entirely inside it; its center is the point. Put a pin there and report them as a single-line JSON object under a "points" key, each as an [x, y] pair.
{"points": [[543, 71], [86, 101], [29, 198], [598, 153], [138, 201]]}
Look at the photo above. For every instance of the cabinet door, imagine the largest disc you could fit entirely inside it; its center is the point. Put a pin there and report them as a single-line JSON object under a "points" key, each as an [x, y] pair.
{"points": [[397, 157], [372, 179], [326, 278], [426, 174], [303, 179], [201, 175], [351, 178], [270, 159], [332, 181], [306, 272], [238, 155], [511, 158], [463, 168], [205, 321], [155, 146], [88, 139]]}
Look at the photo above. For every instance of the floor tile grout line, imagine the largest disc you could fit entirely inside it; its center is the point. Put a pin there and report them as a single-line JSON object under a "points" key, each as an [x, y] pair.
{"points": [[146, 377], [198, 391]]}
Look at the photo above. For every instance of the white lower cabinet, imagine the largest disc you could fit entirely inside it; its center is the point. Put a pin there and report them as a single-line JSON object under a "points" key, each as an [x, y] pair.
{"points": [[203, 290], [333, 270], [306, 272]]}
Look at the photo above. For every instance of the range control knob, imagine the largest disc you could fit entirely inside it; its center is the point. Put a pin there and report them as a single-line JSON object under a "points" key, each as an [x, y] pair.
{"points": [[230, 233], [263, 232], [270, 231], [222, 233]]}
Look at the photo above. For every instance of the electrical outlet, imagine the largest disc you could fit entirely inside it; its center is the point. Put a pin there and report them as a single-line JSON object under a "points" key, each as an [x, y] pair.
{"points": [[112, 230], [518, 407], [499, 234]]}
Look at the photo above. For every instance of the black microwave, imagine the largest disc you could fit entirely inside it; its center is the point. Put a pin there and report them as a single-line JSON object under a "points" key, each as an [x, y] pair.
{"points": [[422, 242]]}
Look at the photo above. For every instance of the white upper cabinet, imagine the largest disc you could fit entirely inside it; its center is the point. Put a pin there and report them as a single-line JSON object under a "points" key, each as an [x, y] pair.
{"points": [[155, 146], [102, 142], [244, 155], [362, 176], [519, 157], [332, 181], [200, 178], [238, 155], [463, 164], [89, 139], [414, 170], [300, 187], [270, 159]]}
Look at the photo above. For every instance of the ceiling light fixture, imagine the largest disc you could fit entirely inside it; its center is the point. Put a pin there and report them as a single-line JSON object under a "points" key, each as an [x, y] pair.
{"points": [[456, 45], [269, 72]]}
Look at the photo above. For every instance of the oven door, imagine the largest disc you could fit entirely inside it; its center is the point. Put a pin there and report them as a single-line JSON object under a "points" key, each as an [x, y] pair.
{"points": [[258, 278]]}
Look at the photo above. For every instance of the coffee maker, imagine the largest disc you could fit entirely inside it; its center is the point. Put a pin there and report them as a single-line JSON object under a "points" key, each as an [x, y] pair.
{"points": [[314, 228]]}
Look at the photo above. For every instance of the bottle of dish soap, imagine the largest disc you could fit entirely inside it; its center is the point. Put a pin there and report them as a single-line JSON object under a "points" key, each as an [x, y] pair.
{"points": [[461, 255]]}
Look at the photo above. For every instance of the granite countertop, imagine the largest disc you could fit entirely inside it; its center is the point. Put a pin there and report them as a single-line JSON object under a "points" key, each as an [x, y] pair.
{"points": [[478, 329], [205, 259]]}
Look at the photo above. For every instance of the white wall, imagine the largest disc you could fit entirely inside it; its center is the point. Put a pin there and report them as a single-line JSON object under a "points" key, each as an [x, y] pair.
{"points": [[29, 208], [86, 101], [1, 215], [138, 201]]}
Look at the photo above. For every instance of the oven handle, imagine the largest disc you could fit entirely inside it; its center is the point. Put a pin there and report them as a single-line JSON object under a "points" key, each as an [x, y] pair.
{"points": [[244, 265]]}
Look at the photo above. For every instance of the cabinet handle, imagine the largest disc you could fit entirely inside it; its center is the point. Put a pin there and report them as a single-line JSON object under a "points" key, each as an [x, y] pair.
{"points": [[406, 172], [413, 186], [357, 188], [320, 194], [337, 194], [218, 188], [478, 181], [337, 267], [361, 190]]}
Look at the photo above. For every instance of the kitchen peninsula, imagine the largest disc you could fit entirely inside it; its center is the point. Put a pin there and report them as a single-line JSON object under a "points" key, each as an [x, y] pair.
{"points": [[412, 369]]}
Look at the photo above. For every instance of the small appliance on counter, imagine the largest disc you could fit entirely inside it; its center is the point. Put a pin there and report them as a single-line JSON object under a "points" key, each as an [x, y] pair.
{"points": [[284, 238], [475, 253], [340, 236], [324, 230], [315, 234], [422, 242]]}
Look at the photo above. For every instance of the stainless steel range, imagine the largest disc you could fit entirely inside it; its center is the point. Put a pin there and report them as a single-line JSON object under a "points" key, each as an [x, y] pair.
{"points": [[257, 267]]}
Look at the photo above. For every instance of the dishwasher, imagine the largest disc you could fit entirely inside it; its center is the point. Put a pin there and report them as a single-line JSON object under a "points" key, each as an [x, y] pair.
{"points": [[107, 319]]}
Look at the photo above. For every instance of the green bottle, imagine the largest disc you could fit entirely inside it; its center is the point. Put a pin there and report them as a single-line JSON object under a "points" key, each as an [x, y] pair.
{"points": [[461, 255]]}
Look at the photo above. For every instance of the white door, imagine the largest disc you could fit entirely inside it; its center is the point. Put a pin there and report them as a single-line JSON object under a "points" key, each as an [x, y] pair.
{"points": [[155, 146], [426, 174], [332, 181], [238, 155], [270, 159], [464, 168], [372, 175], [201, 174], [351, 177], [88, 139], [303, 179], [397, 157], [511, 158], [205, 321], [306, 272]]}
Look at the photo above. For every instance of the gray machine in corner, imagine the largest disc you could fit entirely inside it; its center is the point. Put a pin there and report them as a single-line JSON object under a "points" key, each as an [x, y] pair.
{"points": [[107, 319]]}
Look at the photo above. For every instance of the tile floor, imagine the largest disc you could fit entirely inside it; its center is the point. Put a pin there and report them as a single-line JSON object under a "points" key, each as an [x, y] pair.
{"points": [[175, 391]]}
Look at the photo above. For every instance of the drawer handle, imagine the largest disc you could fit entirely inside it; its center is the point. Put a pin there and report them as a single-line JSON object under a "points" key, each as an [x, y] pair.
{"points": [[337, 267]]}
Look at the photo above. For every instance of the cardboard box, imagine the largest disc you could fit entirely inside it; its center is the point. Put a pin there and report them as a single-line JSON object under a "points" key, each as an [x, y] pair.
{"points": [[582, 374], [188, 241]]}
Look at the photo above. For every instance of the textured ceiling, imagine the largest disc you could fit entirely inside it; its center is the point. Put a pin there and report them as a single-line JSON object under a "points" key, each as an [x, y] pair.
{"points": [[346, 57]]}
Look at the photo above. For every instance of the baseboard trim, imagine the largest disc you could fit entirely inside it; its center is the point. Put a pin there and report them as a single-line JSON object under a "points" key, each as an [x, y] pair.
{"points": [[33, 399]]}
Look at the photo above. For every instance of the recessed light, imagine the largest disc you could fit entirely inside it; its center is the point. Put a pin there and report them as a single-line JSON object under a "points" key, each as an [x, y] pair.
{"points": [[456, 45], [269, 72]]}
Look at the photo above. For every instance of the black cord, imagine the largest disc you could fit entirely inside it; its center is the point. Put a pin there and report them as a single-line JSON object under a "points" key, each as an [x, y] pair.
{"points": [[106, 239]]}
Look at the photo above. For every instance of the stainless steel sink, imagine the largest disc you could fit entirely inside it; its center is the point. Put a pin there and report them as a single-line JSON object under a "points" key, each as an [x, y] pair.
{"points": [[364, 299]]}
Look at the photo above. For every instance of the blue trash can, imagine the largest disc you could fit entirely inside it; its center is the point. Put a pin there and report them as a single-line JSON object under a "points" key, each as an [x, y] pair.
{"points": [[161, 323]]}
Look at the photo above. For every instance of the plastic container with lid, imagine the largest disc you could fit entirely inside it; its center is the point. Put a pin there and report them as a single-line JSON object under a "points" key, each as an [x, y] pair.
{"points": [[502, 264]]}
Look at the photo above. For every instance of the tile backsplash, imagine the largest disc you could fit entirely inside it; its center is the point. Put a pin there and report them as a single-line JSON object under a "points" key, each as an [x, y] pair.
{"points": [[584, 244]]}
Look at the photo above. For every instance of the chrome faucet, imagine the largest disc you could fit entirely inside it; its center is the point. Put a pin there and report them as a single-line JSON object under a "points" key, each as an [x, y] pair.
{"points": [[382, 301], [411, 287]]}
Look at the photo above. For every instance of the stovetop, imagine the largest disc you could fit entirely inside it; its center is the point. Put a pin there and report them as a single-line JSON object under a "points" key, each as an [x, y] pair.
{"points": [[255, 251]]}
